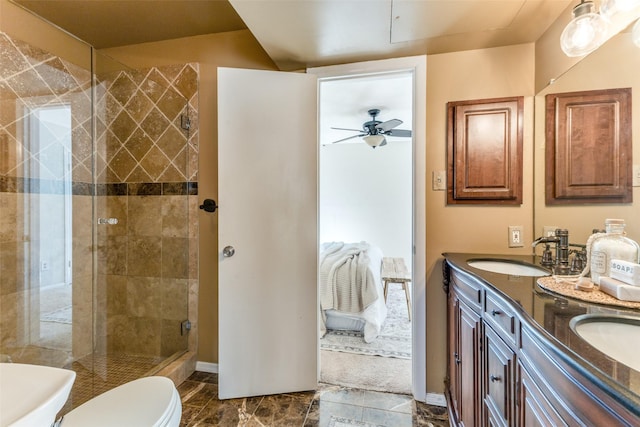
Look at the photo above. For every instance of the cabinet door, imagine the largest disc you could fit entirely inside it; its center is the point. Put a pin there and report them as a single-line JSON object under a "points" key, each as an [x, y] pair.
{"points": [[453, 358], [484, 153], [499, 380], [589, 147], [535, 409], [470, 329]]}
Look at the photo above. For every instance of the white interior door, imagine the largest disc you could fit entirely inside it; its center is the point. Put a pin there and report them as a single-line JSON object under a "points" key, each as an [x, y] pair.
{"points": [[267, 190]]}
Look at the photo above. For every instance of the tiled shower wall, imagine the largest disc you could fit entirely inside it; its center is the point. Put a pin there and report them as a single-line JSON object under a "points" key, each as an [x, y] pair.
{"points": [[147, 171], [145, 176]]}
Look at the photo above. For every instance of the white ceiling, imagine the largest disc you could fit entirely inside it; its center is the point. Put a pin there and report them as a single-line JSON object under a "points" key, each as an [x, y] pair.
{"points": [[298, 34], [344, 103]]}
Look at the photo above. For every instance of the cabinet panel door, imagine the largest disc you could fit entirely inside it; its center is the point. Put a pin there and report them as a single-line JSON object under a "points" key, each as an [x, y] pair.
{"points": [[453, 344], [589, 147], [470, 329], [485, 151], [535, 409], [499, 380]]}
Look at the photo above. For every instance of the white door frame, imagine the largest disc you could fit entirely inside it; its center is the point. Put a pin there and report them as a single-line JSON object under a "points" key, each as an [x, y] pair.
{"points": [[418, 66]]}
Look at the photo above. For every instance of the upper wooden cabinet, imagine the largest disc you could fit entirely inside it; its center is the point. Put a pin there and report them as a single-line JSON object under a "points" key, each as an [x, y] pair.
{"points": [[484, 151], [589, 147]]}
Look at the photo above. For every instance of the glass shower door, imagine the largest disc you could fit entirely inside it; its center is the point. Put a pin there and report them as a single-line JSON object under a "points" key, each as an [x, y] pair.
{"points": [[141, 218]]}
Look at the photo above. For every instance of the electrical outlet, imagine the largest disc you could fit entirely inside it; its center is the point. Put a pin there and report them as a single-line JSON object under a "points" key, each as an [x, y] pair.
{"points": [[439, 180], [44, 266], [549, 230], [636, 175], [516, 239]]}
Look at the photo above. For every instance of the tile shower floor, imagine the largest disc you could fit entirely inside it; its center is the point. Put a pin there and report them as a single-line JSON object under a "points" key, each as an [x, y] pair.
{"points": [[97, 374], [330, 406]]}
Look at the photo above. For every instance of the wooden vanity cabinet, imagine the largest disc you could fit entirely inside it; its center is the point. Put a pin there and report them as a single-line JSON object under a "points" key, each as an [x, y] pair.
{"points": [[503, 371], [464, 354]]}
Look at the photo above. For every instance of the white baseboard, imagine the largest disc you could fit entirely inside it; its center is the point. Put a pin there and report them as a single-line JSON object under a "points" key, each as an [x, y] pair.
{"points": [[211, 368], [436, 399]]}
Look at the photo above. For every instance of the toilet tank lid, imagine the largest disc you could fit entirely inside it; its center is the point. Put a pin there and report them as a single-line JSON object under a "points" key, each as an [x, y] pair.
{"points": [[148, 401]]}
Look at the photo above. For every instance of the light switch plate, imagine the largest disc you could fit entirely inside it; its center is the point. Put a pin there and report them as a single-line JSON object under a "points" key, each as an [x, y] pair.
{"points": [[636, 175], [439, 180]]}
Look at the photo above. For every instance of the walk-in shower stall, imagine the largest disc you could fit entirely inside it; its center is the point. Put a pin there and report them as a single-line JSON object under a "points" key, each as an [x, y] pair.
{"points": [[97, 181]]}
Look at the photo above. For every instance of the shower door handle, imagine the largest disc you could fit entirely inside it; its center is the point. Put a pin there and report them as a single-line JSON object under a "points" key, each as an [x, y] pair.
{"points": [[228, 251]]}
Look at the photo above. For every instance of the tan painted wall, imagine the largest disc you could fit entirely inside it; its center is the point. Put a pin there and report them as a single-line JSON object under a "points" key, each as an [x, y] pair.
{"points": [[24, 26], [497, 72], [233, 49], [477, 74]]}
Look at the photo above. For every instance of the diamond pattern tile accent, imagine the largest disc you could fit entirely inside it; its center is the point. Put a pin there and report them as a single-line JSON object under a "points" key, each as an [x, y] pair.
{"points": [[139, 144], [137, 117], [31, 79], [156, 98], [122, 88]]}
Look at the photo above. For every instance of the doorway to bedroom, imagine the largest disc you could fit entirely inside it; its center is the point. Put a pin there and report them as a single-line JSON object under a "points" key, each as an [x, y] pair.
{"points": [[366, 219]]}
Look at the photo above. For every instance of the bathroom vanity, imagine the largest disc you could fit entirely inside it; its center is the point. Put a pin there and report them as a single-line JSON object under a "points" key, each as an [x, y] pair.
{"points": [[514, 360]]}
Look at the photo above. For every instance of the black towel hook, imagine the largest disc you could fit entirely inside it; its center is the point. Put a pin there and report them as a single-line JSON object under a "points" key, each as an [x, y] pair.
{"points": [[209, 205]]}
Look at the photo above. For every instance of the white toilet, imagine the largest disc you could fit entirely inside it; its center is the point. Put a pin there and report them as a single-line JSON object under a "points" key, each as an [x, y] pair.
{"points": [[145, 402]]}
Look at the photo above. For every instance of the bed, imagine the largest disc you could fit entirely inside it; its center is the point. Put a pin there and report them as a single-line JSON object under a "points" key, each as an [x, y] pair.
{"points": [[351, 293]]}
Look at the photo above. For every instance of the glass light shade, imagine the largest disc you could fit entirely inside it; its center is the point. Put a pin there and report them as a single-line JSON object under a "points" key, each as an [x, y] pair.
{"points": [[635, 33], [374, 140], [585, 33], [608, 8]]}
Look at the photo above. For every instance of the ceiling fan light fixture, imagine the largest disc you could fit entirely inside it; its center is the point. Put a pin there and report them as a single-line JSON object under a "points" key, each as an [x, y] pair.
{"points": [[586, 31], [374, 140]]}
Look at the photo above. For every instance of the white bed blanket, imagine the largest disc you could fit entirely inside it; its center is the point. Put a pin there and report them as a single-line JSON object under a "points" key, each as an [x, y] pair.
{"points": [[350, 283]]}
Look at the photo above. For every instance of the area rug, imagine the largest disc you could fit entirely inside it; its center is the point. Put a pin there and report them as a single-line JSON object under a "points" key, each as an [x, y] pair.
{"points": [[61, 315], [347, 422], [387, 374], [394, 339]]}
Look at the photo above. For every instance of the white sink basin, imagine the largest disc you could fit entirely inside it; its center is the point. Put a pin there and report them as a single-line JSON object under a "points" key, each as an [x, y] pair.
{"points": [[512, 268], [32, 395], [615, 336]]}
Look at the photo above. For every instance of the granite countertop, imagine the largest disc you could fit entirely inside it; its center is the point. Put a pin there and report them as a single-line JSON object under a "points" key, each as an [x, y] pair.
{"points": [[552, 313]]}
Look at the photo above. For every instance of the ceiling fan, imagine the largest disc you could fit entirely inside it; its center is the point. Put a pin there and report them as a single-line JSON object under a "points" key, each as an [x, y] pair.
{"points": [[373, 131]]}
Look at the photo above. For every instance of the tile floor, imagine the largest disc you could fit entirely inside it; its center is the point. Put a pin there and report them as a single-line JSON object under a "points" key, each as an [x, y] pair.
{"points": [[330, 406]]}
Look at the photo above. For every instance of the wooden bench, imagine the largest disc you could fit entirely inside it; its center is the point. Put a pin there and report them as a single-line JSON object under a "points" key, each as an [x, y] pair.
{"points": [[394, 270]]}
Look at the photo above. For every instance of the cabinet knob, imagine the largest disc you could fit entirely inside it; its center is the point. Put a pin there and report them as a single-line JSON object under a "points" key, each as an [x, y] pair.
{"points": [[494, 378], [495, 312]]}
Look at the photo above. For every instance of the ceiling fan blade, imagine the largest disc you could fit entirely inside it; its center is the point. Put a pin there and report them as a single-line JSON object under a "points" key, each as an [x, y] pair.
{"points": [[388, 125], [398, 132], [355, 130], [350, 137]]}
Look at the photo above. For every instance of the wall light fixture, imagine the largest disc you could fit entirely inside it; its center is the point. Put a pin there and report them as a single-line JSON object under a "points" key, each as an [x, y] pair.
{"points": [[586, 31]]}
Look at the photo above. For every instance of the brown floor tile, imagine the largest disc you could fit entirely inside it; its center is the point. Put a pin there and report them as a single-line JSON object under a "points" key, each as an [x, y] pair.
{"points": [[201, 407]]}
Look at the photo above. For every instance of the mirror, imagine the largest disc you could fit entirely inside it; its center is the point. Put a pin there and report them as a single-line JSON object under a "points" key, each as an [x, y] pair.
{"points": [[614, 65]]}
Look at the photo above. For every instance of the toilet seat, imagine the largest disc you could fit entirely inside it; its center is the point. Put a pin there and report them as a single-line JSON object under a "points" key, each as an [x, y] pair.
{"points": [[145, 402]]}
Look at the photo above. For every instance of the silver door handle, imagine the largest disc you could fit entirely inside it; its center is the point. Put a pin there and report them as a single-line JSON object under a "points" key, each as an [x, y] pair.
{"points": [[228, 251]]}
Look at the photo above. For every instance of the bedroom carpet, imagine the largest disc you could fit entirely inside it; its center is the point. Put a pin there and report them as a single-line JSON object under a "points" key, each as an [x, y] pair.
{"points": [[394, 339]]}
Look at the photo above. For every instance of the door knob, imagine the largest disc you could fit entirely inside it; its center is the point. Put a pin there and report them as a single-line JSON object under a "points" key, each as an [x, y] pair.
{"points": [[228, 251], [209, 205]]}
